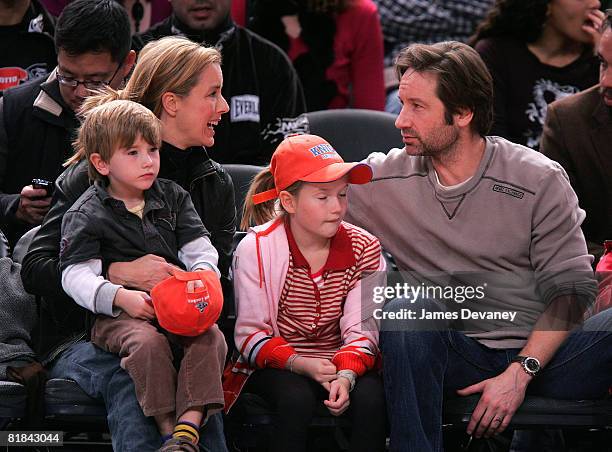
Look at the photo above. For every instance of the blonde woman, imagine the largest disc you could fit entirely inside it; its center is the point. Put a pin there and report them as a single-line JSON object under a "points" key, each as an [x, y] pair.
{"points": [[180, 81]]}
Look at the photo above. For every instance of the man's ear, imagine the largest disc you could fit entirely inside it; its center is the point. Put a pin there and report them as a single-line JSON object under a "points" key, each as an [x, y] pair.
{"points": [[100, 165], [287, 200], [170, 103], [128, 63], [463, 118]]}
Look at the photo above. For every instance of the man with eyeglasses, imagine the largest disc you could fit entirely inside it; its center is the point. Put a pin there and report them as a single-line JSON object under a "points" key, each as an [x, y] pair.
{"points": [[37, 119]]}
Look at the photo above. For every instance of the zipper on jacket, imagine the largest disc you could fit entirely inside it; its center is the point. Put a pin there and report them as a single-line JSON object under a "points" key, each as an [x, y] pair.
{"points": [[53, 354]]}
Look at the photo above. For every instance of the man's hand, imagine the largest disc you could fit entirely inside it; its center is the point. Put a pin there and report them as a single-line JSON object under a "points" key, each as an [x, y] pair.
{"points": [[135, 303], [501, 397], [339, 399], [143, 273], [320, 370], [33, 205]]}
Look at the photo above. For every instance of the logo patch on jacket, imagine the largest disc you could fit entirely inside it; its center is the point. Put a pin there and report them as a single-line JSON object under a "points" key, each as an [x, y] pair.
{"points": [[508, 191], [244, 108], [12, 76]]}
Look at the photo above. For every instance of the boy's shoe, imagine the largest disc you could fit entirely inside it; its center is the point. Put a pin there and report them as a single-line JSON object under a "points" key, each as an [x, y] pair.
{"points": [[178, 445]]}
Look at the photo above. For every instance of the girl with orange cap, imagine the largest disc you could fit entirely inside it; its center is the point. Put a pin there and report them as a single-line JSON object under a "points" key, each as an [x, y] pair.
{"points": [[303, 279]]}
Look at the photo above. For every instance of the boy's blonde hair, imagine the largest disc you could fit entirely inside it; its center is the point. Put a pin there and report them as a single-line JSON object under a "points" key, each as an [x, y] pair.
{"points": [[113, 125]]}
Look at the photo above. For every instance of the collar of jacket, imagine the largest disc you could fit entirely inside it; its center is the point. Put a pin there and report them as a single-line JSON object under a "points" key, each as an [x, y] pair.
{"points": [[602, 113], [340, 255], [216, 37], [49, 104], [262, 231], [153, 197], [205, 167]]}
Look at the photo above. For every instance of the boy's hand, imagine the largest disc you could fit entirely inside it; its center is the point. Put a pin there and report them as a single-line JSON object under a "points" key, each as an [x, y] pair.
{"points": [[339, 399], [135, 304], [320, 370]]}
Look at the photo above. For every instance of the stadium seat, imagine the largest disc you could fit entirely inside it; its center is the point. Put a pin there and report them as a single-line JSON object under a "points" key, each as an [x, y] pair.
{"points": [[22, 245], [242, 176], [13, 400], [538, 412], [250, 421], [68, 405], [356, 133]]}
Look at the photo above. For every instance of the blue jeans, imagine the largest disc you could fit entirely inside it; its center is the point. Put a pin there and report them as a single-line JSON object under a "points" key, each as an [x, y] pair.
{"points": [[421, 367], [98, 373]]}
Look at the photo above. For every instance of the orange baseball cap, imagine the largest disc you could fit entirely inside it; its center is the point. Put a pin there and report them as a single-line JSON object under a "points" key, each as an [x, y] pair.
{"points": [[309, 158], [186, 313]]}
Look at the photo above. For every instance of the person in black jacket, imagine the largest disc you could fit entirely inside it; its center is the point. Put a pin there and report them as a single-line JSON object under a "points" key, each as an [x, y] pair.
{"points": [[37, 118], [27, 50], [167, 80], [261, 85]]}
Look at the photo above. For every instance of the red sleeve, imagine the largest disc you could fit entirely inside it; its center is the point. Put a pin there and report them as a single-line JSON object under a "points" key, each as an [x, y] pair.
{"points": [[353, 358], [274, 353]]}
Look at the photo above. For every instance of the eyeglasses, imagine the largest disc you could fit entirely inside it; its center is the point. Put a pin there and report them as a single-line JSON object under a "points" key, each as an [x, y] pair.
{"points": [[89, 84]]}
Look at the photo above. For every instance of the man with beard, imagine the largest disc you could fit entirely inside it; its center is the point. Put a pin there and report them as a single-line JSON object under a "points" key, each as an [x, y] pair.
{"points": [[578, 135], [494, 226], [259, 82]]}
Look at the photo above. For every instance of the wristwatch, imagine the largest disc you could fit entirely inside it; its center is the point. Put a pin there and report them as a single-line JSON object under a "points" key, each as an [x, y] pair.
{"points": [[530, 364]]}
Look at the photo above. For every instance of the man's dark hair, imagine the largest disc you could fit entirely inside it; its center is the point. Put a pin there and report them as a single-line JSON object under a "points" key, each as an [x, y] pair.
{"points": [[94, 26], [464, 82]]}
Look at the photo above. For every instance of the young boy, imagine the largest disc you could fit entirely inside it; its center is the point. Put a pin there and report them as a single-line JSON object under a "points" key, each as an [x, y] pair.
{"points": [[126, 214]]}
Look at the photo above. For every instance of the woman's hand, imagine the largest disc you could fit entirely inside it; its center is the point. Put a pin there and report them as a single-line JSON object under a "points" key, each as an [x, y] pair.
{"points": [[142, 273], [339, 399], [321, 370], [134, 303]]}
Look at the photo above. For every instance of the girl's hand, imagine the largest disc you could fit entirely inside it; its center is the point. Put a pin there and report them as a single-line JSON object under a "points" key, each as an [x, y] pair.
{"points": [[596, 18], [320, 370], [135, 303], [339, 399]]}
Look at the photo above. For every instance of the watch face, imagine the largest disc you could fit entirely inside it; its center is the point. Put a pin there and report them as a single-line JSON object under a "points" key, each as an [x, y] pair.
{"points": [[532, 365]]}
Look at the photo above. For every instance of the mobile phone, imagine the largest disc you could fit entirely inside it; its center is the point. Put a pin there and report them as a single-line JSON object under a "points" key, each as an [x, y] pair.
{"points": [[44, 184]]}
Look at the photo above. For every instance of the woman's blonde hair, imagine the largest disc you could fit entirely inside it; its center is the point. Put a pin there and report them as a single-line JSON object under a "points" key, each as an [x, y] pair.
{"points": [[171, 64], [113, 125], [255, 214]]}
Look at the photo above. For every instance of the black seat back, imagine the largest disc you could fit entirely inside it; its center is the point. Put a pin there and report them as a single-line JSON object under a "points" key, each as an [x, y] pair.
{"points": [[356, 133], [242, 176], [22, 245]]}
